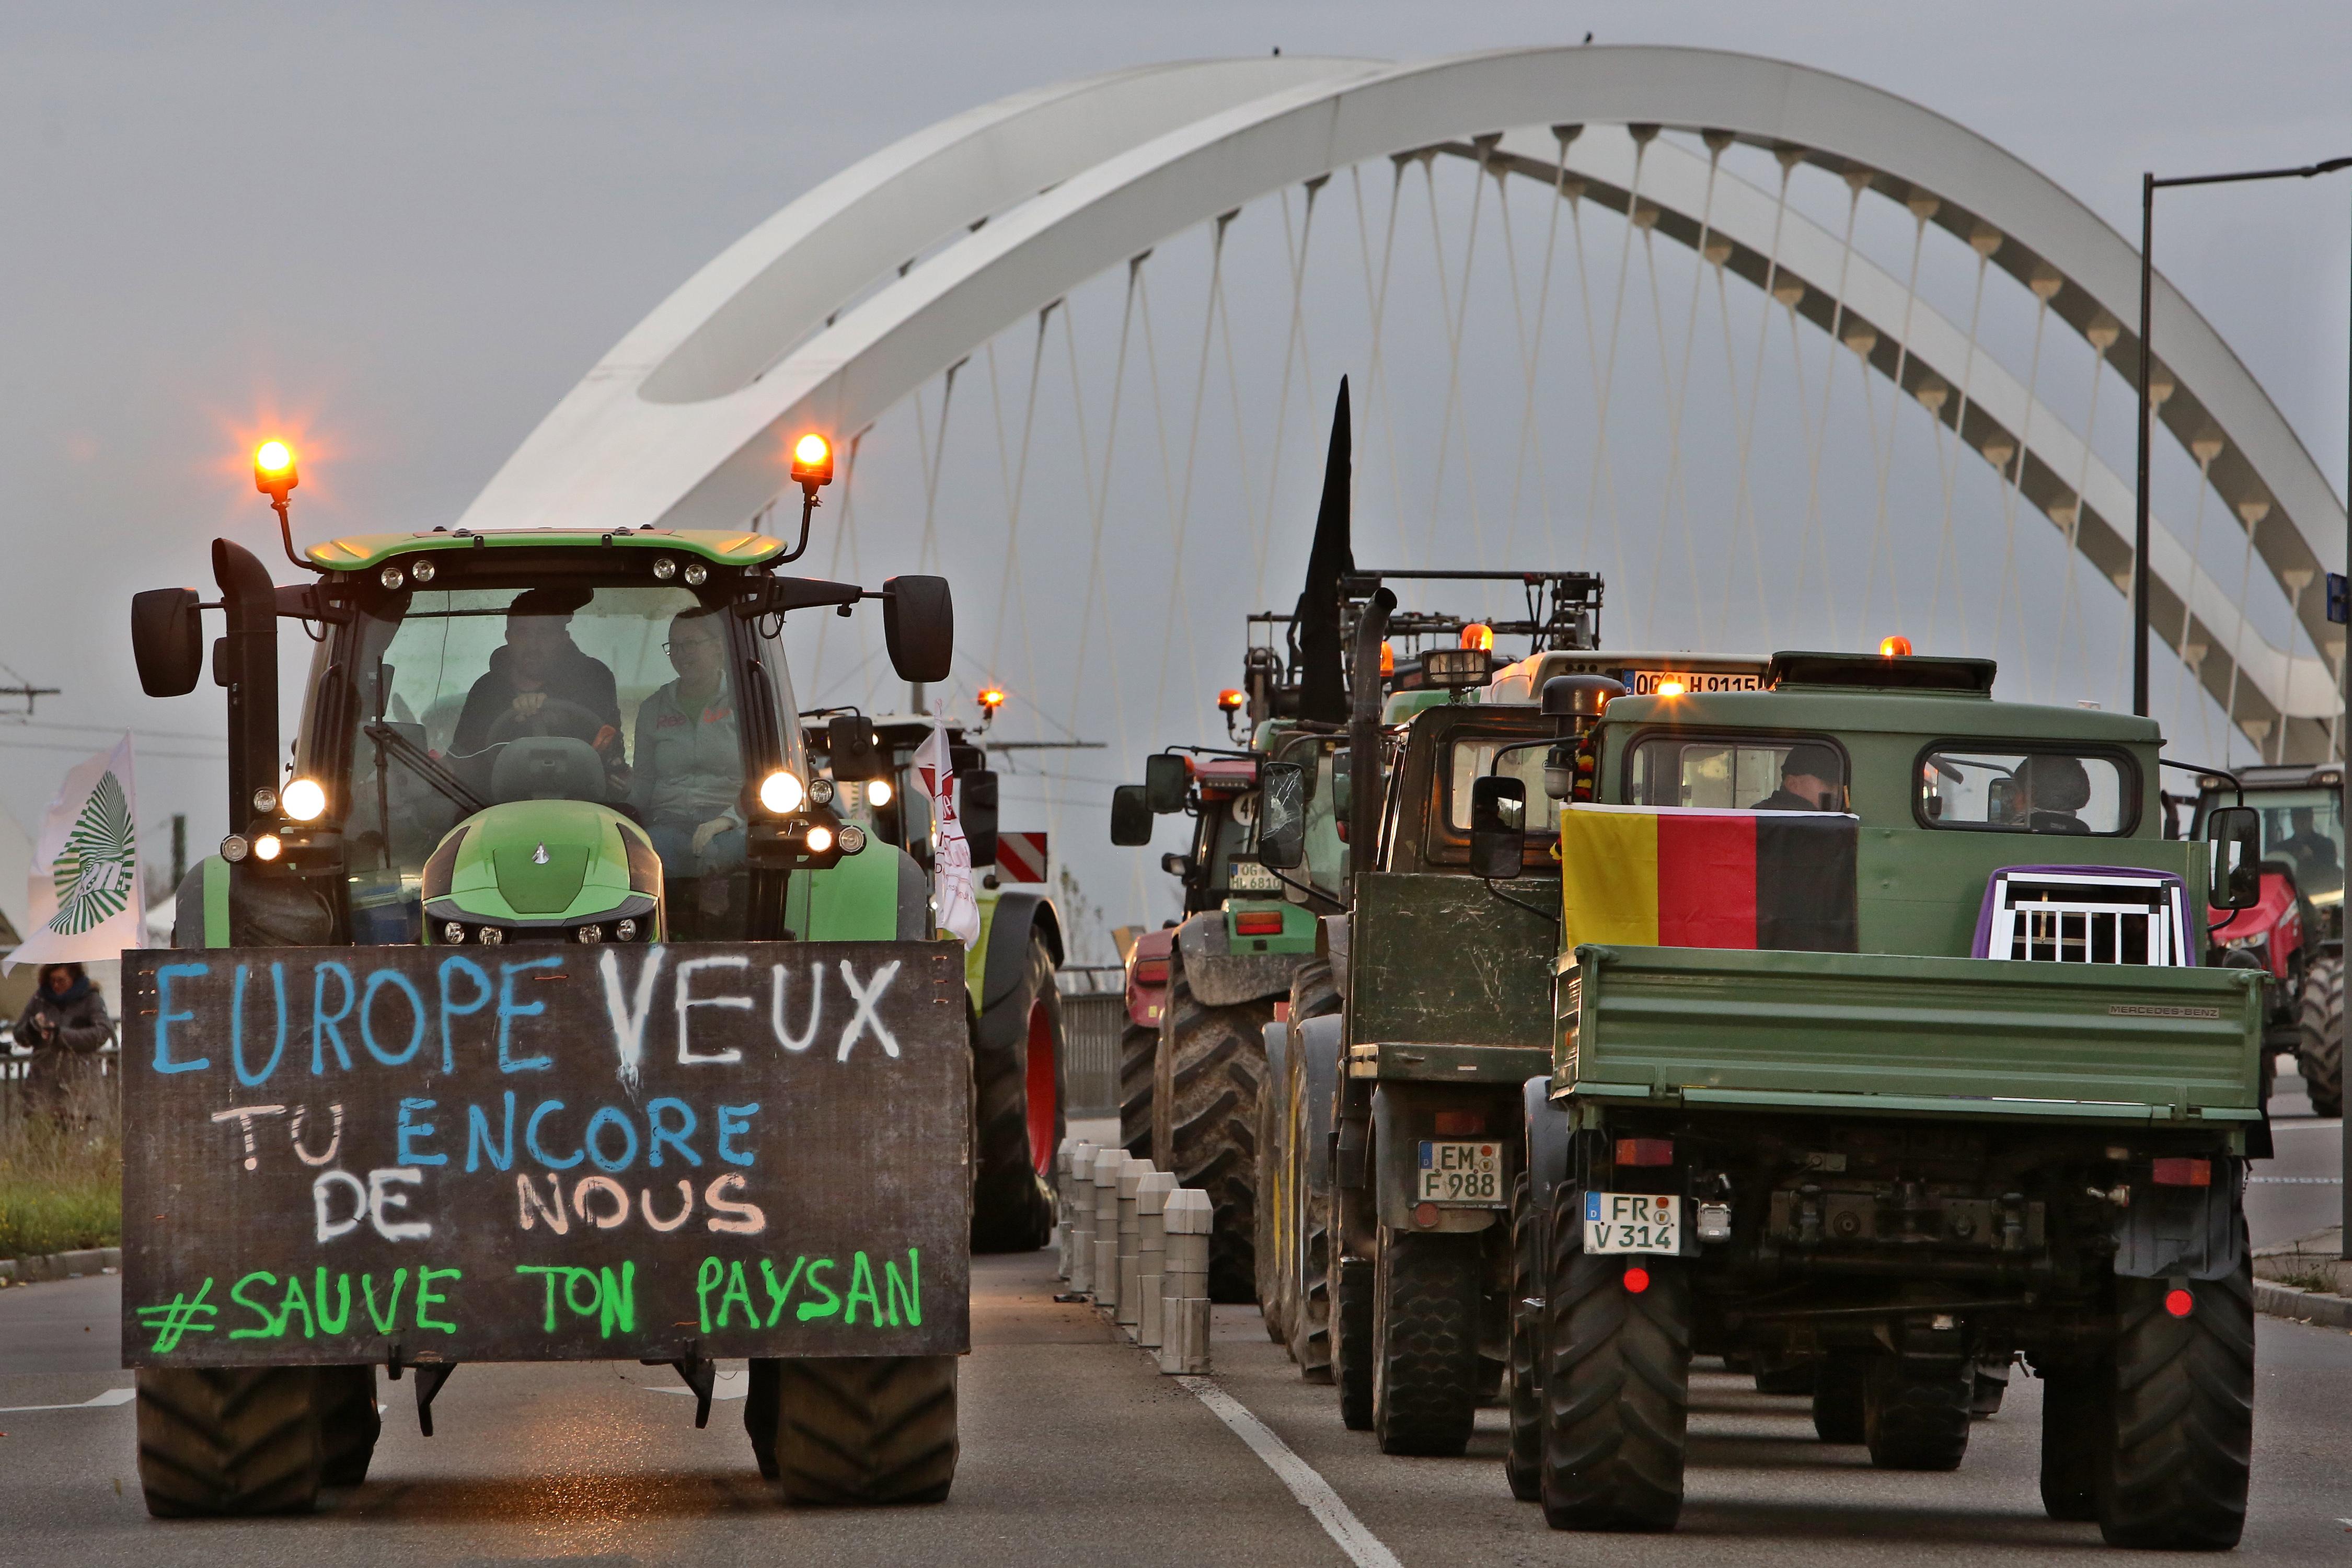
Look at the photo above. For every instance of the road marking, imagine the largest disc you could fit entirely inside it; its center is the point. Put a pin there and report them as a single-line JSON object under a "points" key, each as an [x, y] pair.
{"points": [[2296, 1181], [2329, 1126], [96, 1402], [1314, 1493]]}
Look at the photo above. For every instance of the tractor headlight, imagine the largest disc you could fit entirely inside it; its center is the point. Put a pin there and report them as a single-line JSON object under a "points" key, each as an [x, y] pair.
{"points": [[820, 839], [879, 792], [305, 800], [626, 930], [267, 847], [588, 933], [781, 792], [453, 933]]}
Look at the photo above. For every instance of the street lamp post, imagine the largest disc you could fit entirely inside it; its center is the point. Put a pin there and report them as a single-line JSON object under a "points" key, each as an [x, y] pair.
{"points": [[2339, 588]]}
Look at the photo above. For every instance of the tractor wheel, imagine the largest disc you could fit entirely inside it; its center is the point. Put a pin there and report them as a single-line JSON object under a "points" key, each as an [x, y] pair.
{"points": [[1272, 1186], [1137, 1047], [2320, 1057], [348, 1424], [1018, 1076], [1204, 1093], [1425, 1303], [1616, 1383], [2183, 1427], [2075, 1431], [1352, 1343], [856, 1429], [1837, 1397], [1915, 1415], [1312, 996], [221, 1441], [1523, 1458]]}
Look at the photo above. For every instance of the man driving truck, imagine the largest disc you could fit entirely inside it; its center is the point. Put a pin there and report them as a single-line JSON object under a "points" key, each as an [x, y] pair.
{"points": [[1811, 779]]}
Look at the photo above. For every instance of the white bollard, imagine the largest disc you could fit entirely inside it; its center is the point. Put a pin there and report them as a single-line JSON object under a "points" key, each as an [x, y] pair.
{"points": [[1184, 1322], [1150, 1253], [1108, 1164], [1080, 1187], [1130, 1235], [1062, 1207]]}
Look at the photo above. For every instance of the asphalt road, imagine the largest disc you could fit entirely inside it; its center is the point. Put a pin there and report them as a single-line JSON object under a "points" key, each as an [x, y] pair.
{"points": [[2292, 1194]]}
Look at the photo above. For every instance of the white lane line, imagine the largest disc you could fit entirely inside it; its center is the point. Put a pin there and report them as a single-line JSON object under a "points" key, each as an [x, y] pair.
{"points": [[2296, 1181], [1314, 1493], [2331, 1125], [96, 1402]]}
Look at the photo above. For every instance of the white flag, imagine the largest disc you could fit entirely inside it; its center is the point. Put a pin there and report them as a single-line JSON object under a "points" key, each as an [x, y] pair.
{"points": [[958, 906], [83, 902]]}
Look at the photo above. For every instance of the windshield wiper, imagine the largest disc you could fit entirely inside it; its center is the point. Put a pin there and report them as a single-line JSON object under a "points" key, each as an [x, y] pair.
{"points": [[424, 764]]}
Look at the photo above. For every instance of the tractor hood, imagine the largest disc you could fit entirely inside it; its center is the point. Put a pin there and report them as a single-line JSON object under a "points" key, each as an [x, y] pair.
{"points": [[543, 870]]}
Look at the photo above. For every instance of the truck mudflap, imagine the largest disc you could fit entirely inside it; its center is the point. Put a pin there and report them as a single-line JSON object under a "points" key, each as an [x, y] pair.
{"points": [[1550, 1136], [544, 1151], [1221, 977], [2189, 1233]]}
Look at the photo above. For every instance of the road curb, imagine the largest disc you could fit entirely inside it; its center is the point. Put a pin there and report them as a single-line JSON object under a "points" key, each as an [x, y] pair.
{"points": [[2302, 1306], [60, 1265]]}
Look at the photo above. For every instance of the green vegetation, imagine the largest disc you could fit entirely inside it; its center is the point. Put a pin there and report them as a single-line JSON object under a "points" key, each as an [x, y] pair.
{"points": [[61, 1179]]}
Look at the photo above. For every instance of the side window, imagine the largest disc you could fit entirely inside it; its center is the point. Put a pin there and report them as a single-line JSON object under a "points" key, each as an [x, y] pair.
{"points": [[1741, 773], [1512, 757], [2072, 792]]}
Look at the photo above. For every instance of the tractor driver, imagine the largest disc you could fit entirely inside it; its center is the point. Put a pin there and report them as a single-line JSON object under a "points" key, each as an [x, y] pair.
{"points": [[1810, 777], [688, 784], [2313, 852], [540, 683], [2057, 788]]}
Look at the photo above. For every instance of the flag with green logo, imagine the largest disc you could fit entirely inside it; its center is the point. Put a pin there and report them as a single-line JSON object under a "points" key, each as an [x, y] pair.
{"points": [[85, 902]]}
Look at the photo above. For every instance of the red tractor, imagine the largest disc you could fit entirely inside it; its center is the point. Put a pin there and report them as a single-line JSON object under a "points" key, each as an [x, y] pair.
{"points": [[2295, 934]]}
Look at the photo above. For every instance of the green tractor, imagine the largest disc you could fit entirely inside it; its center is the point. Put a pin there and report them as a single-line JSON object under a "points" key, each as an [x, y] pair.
{"points": [[1021, 1054], [537, 743]]}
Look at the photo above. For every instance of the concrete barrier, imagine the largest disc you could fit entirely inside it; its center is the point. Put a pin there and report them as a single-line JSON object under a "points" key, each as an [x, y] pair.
{"points": [[1151, 1194], [1080, 1195], [1108, 1164], [1130, 1306], [60, 1265], [1184, 1305]]}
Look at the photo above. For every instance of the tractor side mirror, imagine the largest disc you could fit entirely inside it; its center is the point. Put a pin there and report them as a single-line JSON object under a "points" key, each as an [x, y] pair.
{"points": [[850, 750], [1165, 779], [1130, 817], [167, 640], [976, 811], [2236, 883], [1498, 832], [1282, 814], [919, 626]]}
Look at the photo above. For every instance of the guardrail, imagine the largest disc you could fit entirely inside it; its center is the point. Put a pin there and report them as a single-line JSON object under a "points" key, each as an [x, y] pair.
{"points": [[1094, 1016], [1139, 1244]]}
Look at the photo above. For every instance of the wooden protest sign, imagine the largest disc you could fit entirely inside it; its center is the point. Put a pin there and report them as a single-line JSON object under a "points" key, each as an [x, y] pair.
{"points": [[544, 1153]]}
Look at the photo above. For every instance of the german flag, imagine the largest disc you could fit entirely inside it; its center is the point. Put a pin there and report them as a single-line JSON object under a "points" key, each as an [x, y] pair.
{"points": [[1667, 877]]}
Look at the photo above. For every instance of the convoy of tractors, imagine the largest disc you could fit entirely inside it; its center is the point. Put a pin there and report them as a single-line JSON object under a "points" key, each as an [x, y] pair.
{"points": [[1542, 1019]]}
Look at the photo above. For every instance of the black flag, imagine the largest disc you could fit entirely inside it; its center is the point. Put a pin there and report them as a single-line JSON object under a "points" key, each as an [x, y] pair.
{"points": [[1323, 691]]}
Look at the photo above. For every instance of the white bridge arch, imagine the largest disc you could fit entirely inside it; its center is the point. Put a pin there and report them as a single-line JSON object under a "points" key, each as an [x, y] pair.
{"points": [[893, 272]]}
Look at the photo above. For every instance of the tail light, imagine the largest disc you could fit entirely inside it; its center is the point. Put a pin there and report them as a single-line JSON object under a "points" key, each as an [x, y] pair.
{"points": [[1151, 972], [2179, 1302], [1646, 1150], [1461, 1123], [2182, 1173], [1637, 1279], [1259, 922]]}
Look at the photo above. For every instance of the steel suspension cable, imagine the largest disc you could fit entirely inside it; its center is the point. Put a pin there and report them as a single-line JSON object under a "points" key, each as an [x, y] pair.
{"points": [[1604, 478], [1293, 343], [1532, 352], [1456, 316], [1818, 434], [1922, 207], [2013, 475], [2101, 335], [1676, 496], [1191, 456], [1743, 510], [1098, 506], [1949, 545], [1376, 301]]}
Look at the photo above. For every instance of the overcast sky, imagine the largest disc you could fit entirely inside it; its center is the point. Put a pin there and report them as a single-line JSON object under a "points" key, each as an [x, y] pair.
{"points": [[401, 231]]}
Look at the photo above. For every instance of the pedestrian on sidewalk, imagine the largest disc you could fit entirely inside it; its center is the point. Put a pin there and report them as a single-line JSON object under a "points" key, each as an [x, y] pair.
{"points": [[66, 1024]]}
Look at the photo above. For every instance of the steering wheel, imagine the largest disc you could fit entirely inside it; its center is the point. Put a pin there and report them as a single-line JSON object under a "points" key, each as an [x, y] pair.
{"points": [[554, 717]]}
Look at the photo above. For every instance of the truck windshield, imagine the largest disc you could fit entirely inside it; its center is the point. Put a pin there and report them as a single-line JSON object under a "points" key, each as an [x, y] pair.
{"points": [[1475, 757], [2304, 828], [2024, 792]]}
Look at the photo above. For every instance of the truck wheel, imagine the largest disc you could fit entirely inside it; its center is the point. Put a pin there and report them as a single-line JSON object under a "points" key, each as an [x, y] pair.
{"points": [[1616, 1383], [1018, 1076], [1790, 1376], [1204, 1092], [2320, 1057], [348, 1424], [1425, 1301], [1272, 1186], [1523, 1458], [218, 1441], [2183, 1422], [1992, 1386], [1837, 1397], [1351, 1343], [2075, 1426], [1915, 1415], [1312, 996], [857, 1430], [1138, 1046]]}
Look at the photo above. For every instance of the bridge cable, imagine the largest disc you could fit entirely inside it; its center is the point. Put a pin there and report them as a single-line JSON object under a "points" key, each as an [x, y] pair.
{"points": [[2012, 474], [934, 459], [1376, 298], [1676, 494], [1604, 477], [1458, 314], [1984, 243], [1818, 434], [1191, 454], [1098, 505], [2204, 450], [1293, 343], [1531, 355], [1922, 207], [1743, 509], [843, 534], [1014, 584], [2101, 335], [1254, 526], [2238, 644]]}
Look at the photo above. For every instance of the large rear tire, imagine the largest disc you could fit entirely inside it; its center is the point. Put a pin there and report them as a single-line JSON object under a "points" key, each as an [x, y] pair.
{"points": [[2320, 1055], [1616, 1383], [1523, 1458], [1838, 1397], [2183, 1427], [1272, 1184], [1138, 1048], [856, 1429], [1915, 1414], [1425, 1368], [1018, 1067], [1312, 996], [228, 1441], [1352, 1343], [1205, 1094], [348, 1424]]}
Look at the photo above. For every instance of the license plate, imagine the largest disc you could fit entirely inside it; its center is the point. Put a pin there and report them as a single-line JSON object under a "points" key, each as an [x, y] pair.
{"points": [[1469, 1175], [1633, 1221], [1646, 682], [1250, 876]]}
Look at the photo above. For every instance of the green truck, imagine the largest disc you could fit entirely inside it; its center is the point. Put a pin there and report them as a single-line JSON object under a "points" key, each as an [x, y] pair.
{"points": [[1931, 1079]]}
